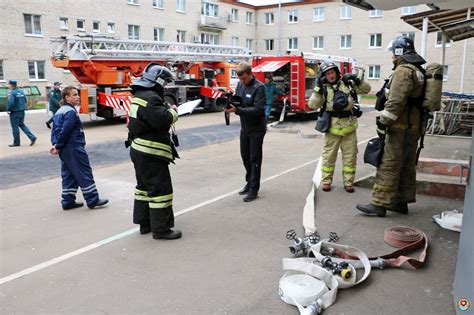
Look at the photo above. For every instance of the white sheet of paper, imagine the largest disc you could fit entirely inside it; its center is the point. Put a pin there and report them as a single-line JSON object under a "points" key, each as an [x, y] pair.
{"points": [[188, 107]]}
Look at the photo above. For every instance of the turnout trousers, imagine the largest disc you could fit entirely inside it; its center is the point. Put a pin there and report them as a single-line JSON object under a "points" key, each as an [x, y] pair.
{"points": [[251, 153], [76, 172], [395, 180], [17, 121], [153, 205], [348, 145]]}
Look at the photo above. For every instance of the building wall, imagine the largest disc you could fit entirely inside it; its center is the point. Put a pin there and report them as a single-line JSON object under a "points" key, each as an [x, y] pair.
{"points": [[16, 48], [360, 26]]}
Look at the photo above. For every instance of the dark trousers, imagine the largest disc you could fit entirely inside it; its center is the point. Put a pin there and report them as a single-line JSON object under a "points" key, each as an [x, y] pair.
{"points": [[76, 172], [251, 152], [153, 205], [17, 121]]}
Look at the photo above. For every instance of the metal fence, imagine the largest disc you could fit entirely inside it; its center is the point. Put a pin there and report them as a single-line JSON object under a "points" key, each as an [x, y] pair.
{"points": [[456, 115]]}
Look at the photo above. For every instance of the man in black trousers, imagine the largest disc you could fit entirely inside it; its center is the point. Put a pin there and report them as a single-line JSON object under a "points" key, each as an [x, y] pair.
{"points": [[253, 127]]}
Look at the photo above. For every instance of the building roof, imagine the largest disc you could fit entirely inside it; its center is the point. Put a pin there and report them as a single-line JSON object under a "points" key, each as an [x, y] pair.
{"points": [[453, 23]]}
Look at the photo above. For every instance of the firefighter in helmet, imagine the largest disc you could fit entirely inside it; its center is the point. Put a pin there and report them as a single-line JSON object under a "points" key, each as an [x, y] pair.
{"points": [[399, 124], [333, 94], [151, 152]]}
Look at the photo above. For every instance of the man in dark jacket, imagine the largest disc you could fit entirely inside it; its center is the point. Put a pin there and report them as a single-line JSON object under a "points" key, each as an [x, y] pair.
{"points": [[151, 152], [16, 106], [252, 119], [54, 98], [67, 138]]}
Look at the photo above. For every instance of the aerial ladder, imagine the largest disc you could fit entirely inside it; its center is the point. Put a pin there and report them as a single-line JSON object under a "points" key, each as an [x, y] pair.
{"points": [[106, 66]]}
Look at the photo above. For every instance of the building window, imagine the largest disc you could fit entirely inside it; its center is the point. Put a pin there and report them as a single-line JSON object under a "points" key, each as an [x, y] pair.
{"points": [[158, 34], [439, 40], [445, 73], [408, 10], [81, 25], [375, 41], [374, 72], [96, 26], [2, 77], [158, 4], [269, 18], [411, 35], [181, 36], [210, 9], [318, 42], [293, 43], [376, 13], [134, 32], [235, 41], [212, 39], [111, 27], [249, 44], [234, 15], [32, 24], [36, 70], [293, 16], [346, 12], [249, 17], [318, 14], [181, 5], [269, 44], [346, 41], [134, 2], [63, 24]]}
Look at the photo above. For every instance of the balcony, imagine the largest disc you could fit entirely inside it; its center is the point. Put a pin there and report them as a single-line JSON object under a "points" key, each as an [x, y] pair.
{"points": [[212, 23]]}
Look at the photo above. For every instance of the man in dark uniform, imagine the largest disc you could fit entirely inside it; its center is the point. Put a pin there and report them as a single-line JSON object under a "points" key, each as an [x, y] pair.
{"points": [[67, 138], [151, 152], [400, 124], [16, 106], [252, 119], [54, 98]]}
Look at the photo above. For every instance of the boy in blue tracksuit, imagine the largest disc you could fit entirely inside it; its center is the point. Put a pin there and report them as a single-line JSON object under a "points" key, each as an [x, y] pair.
{"points": [[270, 90], [67, 138], [16, 106]]}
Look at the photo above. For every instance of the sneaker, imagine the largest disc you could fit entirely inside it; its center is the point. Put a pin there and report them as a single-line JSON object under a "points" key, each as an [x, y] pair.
{"points": [[372, 209], [13, 145], [48, 124], [168, 235], [33, 142], [100, 203], [326, 187], [73, 206]]}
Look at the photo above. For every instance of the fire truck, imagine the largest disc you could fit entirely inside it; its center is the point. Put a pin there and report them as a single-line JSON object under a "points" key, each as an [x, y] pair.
{"points": [[296, 77], [106, 66]]}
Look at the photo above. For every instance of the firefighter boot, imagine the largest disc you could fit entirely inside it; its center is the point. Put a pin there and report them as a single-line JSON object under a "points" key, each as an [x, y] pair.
{"points": [[372, 209], [145, 229], [400, 207], [168, 235], [73, 206]]}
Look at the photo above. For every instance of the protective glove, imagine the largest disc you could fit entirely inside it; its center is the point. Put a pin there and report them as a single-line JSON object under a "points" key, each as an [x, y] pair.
{"points": [[320, 84], [381, 128], [353, 77]]}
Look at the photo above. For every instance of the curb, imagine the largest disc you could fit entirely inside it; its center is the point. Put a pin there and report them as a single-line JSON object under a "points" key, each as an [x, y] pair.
{"points": [[27, 112]]}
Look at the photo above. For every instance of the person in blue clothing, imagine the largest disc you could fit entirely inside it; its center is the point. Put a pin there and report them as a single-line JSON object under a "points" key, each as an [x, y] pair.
{"points": [[68, 141], [16, 106], [54, 98], [270, 91]]}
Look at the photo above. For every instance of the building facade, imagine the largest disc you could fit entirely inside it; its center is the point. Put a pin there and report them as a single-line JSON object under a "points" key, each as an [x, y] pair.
{"points": [[324, 27]]}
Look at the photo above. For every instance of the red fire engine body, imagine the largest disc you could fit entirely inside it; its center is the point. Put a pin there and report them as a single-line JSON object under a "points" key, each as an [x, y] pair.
{"points": [[296, 77]]}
